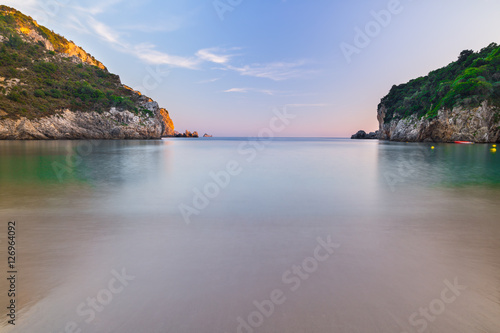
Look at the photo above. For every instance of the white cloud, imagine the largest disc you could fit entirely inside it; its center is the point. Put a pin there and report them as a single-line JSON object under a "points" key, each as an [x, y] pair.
{"points": [[306, 105], [209, 55], [246, 90], [237, 90], [105, 32], [147, 53], [209, 80], [144, 51], [277, 71], [217, 55]]}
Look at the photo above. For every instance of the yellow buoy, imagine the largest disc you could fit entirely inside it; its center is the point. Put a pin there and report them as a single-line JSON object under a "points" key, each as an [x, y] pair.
{"points": [[432, 147], [493, 150], [494, 146]]}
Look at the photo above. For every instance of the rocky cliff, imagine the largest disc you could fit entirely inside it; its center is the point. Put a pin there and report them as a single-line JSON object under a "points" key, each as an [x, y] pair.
{"points": [[81, 125], [169, 124], [51, 88], [479, 124], [459, 102]]}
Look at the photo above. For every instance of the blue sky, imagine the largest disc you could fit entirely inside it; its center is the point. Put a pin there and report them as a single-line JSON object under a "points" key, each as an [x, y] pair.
{"points": [[222, 66]]}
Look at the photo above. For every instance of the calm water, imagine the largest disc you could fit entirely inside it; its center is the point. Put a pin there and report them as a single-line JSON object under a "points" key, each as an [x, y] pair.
{"points": [[413, 233]]}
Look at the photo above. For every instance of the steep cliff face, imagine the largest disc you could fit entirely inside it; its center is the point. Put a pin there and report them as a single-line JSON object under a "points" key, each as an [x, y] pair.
{"points": [[82, 125], [67, 124], [169, 124], [51, 88], [480, 124]]}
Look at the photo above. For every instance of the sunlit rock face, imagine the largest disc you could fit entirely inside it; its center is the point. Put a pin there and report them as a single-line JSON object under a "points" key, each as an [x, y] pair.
{"points": [[66, 48], [169, 124]]}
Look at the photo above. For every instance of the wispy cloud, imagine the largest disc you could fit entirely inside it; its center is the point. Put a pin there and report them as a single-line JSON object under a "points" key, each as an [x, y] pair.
{"points": [[145, 51], [210, 55], [75, 24], [237, 90], [164, 26], [85, 20], [307, 105], [105, 32], [246, 90], [99, 6], [277, 71], [21, 5], [149, 54], [209, 80]]}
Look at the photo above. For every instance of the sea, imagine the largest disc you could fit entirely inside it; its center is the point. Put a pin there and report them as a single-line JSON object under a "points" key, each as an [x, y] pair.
{"points": [[244, 235]]}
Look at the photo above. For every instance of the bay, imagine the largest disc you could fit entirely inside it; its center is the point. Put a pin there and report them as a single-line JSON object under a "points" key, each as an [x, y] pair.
{"points": [[180, 235]]}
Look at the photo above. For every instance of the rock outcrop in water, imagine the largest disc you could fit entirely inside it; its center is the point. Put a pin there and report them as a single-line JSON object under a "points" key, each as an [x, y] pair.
{"points": [[51, 88], [186, 134], [362, 135], [480, 124]]}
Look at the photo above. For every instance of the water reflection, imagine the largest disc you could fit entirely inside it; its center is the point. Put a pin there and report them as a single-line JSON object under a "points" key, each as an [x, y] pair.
{"points": [[449, 165]]}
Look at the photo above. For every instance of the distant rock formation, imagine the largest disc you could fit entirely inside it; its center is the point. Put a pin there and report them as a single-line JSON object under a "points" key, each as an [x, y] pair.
{"points": [[362, 135], [186, 134], [207, 135]]}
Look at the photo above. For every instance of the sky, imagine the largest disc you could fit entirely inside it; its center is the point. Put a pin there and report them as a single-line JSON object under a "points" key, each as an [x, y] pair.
{"points": [[224, 67]]}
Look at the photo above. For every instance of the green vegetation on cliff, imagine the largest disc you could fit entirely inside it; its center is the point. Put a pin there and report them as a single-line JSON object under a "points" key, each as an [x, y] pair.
{"points": [[36, 81], [12, 21], [469, 81]]}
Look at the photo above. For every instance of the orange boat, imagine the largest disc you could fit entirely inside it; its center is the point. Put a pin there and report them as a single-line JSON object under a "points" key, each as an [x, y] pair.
{"points": [[464, 142]]}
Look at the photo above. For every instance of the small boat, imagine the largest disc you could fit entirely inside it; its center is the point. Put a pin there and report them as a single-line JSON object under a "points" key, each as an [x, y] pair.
{"points": [[464, 142]]}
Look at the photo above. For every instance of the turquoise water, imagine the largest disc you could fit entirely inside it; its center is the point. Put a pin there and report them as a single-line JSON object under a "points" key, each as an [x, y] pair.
{"points": [[209, 228]]}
